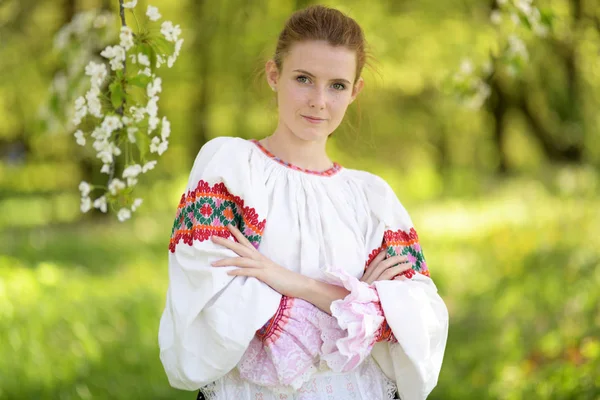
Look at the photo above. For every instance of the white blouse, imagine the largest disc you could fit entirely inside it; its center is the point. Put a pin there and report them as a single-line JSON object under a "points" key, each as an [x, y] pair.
{"points": [[236, 338]]}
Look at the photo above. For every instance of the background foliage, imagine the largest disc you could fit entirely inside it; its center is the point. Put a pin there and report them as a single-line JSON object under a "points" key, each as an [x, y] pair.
{"points": [[505, 198]]}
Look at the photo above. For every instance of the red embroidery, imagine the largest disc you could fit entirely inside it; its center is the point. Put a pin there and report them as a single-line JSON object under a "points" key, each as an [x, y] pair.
{"points": [[268, 333], [206, 211], [402, 243]]}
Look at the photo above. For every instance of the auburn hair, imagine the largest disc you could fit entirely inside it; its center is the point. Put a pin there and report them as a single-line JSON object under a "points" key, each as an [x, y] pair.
{"points": [[319, 22]]}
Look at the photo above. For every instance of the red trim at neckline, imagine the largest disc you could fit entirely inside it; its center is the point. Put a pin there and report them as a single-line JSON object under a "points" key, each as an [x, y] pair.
{"points": [[329, 172]]}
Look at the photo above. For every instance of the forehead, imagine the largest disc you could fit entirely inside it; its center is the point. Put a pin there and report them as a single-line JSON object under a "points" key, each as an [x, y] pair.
{"points": [[321, 59]]}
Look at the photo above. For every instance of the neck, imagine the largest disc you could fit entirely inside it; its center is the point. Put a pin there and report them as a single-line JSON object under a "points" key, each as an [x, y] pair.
{"points": [[307, 154]]}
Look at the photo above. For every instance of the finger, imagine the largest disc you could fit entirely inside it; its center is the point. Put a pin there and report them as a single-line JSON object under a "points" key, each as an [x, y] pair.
{"points": [[238, 248], [378, 258], [243, 272], [384, 265], [239, 235], [370, 269], [390, 273], [241, 262]]}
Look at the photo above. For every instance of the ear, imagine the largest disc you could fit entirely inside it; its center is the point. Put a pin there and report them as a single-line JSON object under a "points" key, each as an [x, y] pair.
{"points": [[358, 86], [272, 74]]}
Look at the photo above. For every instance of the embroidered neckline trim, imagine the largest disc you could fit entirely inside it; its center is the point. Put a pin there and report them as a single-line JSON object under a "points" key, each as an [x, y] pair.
{"points": [[329, 172]]}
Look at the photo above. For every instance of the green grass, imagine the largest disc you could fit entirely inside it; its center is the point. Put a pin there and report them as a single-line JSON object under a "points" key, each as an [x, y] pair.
{"points": [[79, 305]]}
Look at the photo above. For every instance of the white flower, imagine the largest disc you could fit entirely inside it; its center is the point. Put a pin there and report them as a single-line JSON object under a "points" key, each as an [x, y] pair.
{"points": [[100, 203], [496, 17], [152, 124], [146, 71], [159, 60], [130, 4], [136, 204], [143, 59], [106, 156], [170, 32], [84, 188], [79, 103], [79, 137], [137, 113], [131, 133], [152, 13], [132, 171], [152, 107], [124, 214], [154, 143], [86, 204], [133, 58], [165, 128], [96, 72], [126, 37], [517, 47], [80, 110], [172, 58], [148, 166], [105, 169], [178, 46], [162, 147], [115, 185], [93, 101], [132, 182], [116, 55], [111, 123], [100, 134], [154, 87], [524, 6], [466, 67]]}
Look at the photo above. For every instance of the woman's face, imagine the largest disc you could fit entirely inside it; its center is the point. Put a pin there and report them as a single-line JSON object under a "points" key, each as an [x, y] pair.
{"points": [[314, 88]]}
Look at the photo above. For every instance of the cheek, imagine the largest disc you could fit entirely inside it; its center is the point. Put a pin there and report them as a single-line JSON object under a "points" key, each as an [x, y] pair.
{"points": [[292, 99], [338, 106]]}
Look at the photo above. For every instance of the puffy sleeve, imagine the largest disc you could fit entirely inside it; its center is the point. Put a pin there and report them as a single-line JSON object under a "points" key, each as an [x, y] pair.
{"points": [[415, 314], [211, 317], [403, 324]]}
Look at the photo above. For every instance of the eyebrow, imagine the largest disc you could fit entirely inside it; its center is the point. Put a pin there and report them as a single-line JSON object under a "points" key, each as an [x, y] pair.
{"points": [[312, 76]]}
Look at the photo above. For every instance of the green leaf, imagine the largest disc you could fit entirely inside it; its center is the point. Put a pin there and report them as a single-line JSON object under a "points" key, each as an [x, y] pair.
{"points": [[116, 94], [142, 142], [525, 20], [140, 80], [547, 17]]}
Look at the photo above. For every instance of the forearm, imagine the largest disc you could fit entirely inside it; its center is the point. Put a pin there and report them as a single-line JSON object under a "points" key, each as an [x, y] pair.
{"points": [[320, 294]]}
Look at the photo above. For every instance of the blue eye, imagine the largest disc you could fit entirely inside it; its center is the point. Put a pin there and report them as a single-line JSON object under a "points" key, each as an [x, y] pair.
{"points": [[340, 86]]}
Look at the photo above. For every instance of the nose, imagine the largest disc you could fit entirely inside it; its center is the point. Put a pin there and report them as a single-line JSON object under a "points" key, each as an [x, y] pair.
{"points": [[317, 99]]}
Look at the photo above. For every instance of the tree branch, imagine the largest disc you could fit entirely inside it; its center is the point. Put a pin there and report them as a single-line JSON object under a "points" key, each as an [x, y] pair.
{"points": [[119, 110]]}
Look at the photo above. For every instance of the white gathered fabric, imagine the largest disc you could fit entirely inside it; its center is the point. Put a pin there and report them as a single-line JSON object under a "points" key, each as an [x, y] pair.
{"points": [[314, 225]]}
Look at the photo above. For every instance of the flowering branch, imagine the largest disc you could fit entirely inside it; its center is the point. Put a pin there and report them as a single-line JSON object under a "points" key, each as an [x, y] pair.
{"points": [[470, 83], [123, 114]]}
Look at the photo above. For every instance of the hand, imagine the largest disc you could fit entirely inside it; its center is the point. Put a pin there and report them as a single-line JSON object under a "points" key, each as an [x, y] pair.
{"points": [[382, 269], [252, 263]]}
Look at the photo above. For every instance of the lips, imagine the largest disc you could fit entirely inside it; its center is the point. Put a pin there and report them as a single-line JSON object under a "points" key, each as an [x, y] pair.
{"points": [[313, 119]]}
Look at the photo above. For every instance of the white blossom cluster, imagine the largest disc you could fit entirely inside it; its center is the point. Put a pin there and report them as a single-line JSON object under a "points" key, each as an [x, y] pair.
{"points": [[470, 82], [115, 130], [474, 89], [517, 9], [75, 44]]}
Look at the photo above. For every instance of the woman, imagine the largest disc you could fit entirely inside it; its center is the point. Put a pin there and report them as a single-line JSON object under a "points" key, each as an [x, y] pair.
{"points": [[292, 277]]}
